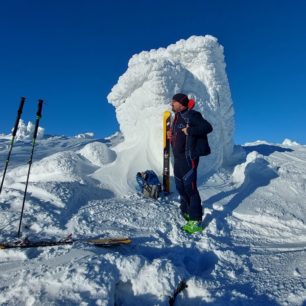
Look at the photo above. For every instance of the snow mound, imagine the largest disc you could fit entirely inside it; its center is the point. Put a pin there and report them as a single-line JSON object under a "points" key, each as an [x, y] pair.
{"points": [[60, 167], [98, 153], [194, 66], [238, 175], [26, 131], [252, 169], [288, 142]]}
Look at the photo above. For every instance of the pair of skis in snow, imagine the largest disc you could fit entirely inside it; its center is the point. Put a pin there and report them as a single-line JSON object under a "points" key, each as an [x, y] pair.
{"points": [[100, 242], [38, 117]]}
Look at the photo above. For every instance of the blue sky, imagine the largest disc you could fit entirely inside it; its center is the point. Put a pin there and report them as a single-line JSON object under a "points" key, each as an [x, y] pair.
{"points": [[71, 53]]}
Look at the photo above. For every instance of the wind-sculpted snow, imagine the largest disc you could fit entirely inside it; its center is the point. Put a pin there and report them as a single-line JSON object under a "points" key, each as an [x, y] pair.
{"points": [[62, 166], [98, 153], [255, 169], [194, 66]]}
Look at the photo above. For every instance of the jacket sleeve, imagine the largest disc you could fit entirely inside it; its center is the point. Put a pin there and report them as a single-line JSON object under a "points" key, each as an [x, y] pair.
{"points": [[198, 126]]}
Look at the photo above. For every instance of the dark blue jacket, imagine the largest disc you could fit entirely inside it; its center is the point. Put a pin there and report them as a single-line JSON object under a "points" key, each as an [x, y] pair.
{"points": [[195, 144]]}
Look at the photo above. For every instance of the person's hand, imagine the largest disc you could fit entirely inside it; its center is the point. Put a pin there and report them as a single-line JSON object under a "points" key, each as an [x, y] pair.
{"points": [[169, 134], [185, 131]]}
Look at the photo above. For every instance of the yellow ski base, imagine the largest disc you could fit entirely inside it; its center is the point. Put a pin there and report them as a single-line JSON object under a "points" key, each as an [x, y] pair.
{"points": [[167, 115], [166, 151]]}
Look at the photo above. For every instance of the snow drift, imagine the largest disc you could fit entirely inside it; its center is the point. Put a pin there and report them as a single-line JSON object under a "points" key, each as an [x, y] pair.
{"points": [[194, 66], [98, 153]]}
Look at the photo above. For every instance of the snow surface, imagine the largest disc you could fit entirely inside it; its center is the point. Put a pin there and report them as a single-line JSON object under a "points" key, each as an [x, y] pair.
{"points": [[253, 249]]}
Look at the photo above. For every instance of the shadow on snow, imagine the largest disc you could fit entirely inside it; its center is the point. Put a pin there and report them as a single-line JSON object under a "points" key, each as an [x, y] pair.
{"points": [[265, 149]]}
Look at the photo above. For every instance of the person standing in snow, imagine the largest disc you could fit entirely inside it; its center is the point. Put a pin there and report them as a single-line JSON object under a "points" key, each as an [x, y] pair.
{"points": [[188, 138]]}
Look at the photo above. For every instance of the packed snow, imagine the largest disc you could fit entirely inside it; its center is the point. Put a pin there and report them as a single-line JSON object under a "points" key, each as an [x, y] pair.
{"points": [[253, 248]]}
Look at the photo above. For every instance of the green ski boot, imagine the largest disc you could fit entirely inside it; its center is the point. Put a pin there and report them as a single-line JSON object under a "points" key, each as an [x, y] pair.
{"points": [[192, 227]]}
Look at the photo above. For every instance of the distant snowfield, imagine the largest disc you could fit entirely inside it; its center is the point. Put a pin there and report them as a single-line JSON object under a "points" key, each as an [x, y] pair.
{"points": [[252, 251]]}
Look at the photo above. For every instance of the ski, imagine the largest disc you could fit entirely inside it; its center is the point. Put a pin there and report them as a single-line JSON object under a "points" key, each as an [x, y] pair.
{"points": [[108, 242], [32, 244], [101, 242], [12, 141], [166, 153]]}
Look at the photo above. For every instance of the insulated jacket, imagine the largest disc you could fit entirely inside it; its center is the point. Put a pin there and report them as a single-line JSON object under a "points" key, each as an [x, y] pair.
{"points": [[195, 144]]}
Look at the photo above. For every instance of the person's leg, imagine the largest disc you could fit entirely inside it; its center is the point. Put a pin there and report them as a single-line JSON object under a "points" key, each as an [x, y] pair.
{"points": [[183, 196], [180, 168], [190, 187]]}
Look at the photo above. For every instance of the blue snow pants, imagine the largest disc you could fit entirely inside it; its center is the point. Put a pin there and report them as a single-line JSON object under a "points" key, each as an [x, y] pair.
{"points": [[185, 173]]}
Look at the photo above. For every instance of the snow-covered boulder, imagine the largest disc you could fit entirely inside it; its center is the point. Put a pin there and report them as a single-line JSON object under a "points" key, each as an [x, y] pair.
{"points": [[194, 66]]}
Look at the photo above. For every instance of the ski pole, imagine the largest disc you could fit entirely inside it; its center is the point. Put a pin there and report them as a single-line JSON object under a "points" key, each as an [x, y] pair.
{"points": [[12, 140], [38, 117]]}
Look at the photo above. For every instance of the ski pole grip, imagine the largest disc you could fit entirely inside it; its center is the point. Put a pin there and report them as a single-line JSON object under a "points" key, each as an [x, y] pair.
{"points": [[21, 105], [38, 114], [40, 103], [18, 116]]}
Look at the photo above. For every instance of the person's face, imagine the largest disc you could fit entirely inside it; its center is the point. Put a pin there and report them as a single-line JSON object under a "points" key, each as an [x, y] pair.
{"points": [[176, 106]]}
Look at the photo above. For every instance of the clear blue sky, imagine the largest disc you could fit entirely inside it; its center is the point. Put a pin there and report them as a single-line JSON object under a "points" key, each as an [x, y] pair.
{"points": [[71, 53]]}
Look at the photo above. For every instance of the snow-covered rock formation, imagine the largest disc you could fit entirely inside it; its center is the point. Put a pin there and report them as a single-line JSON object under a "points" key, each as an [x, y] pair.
{"points": [[195, 67]]}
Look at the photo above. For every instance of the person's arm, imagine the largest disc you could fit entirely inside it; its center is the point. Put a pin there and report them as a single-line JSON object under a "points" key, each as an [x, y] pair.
{"points": [[198, 125]]}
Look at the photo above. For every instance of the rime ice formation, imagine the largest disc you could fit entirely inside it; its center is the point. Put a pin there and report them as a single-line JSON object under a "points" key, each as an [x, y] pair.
{"points": [[194, 66], [26, 131]]}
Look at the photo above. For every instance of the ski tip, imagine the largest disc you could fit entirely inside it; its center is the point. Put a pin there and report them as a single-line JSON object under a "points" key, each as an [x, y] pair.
{"points": [[110, 241], [167, 114]]}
